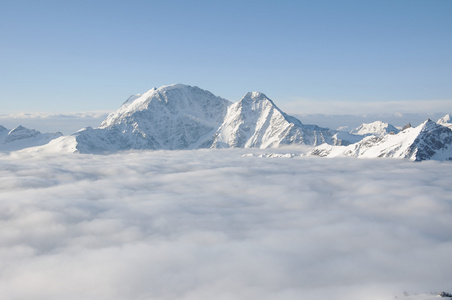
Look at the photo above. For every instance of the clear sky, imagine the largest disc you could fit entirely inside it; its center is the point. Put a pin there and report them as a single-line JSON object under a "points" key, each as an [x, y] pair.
{"points": [[72, 56]]}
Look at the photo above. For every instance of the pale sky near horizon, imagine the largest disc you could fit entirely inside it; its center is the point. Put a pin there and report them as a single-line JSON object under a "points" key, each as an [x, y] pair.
{"points": [[308, 56]]}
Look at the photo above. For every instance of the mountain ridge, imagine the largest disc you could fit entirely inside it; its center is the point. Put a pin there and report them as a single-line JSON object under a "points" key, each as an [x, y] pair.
{"points": [[21, 137], [429, 140], [176, 117], [256, 122], [184, 117]]}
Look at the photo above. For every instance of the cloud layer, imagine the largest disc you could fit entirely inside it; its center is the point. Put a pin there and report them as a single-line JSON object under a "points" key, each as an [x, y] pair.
{"points": [[309, 106], [215, 225]]}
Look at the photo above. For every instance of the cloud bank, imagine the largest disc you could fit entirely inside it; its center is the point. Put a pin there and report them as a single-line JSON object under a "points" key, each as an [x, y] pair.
{"points": [[215, 225], [309, 106]]}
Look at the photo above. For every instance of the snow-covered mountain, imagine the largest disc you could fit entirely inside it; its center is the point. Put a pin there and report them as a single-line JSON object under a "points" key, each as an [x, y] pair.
{"points": [[446, 121], [21, 137], [429, 140], [377, 128], [256, 122], [170, 117], [185, 117]]}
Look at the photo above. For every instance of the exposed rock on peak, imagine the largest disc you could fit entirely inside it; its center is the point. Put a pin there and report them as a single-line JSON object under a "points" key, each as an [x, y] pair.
{"points": [[170, 117], [22, 137], [19, 133], [426, 141], [256, 122], [407, 126], [184, 117]]}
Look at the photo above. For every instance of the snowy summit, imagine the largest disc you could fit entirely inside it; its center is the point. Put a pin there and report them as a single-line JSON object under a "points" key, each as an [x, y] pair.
{"points": [[22, 137], [184, 117], [427, 141], [377, 128], [178, 116]]}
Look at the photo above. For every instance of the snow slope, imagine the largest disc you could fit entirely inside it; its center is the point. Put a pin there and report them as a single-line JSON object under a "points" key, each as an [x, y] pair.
{"points": [[256, 122], [179, 116], [185, 117], [446, 121], [377, 128], [21, 137], [170, 117], [426, 141]]}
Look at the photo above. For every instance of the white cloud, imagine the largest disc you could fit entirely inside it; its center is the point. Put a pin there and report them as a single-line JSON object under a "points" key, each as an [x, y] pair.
{"points": [[309, 106], [216, 225]]}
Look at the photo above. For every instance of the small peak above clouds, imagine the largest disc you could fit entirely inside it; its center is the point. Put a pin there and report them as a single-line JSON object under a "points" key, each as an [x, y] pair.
{"points": [[21, 132], [446, 121], [21, 137], [407, 126], [428, 141], [377, 128]]}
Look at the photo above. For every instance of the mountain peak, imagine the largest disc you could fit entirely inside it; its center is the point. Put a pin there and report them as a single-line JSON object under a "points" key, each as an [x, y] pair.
{"points": [[446, 119], [407, 126], [173, 116], [21, 129], [257, 101], [179, 116], [256, 122], [21, 132], [255, 97], [429, 124], [174, 86], [377, 128], [21, 137], [429, 140]]}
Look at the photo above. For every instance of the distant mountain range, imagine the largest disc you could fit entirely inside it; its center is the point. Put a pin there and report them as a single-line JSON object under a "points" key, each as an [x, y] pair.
{"points": [[185, 117], [178, 117], [430, 140], [21, 137]]}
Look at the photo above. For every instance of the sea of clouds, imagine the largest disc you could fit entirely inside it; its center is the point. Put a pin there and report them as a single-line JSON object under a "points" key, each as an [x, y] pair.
{"points": [[213, 224]]}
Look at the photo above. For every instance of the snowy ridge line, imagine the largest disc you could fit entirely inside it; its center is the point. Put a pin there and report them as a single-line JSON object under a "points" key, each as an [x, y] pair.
{"points": [[177, 117], [429, 140], [21, 137], [377, 128]]}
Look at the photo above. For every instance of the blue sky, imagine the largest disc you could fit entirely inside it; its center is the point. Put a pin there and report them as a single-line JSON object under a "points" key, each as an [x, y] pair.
{"points": [[71, 56]]}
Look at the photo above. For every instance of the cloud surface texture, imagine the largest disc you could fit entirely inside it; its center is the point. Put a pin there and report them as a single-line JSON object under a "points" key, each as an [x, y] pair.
{"points": [[212, 224]]}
